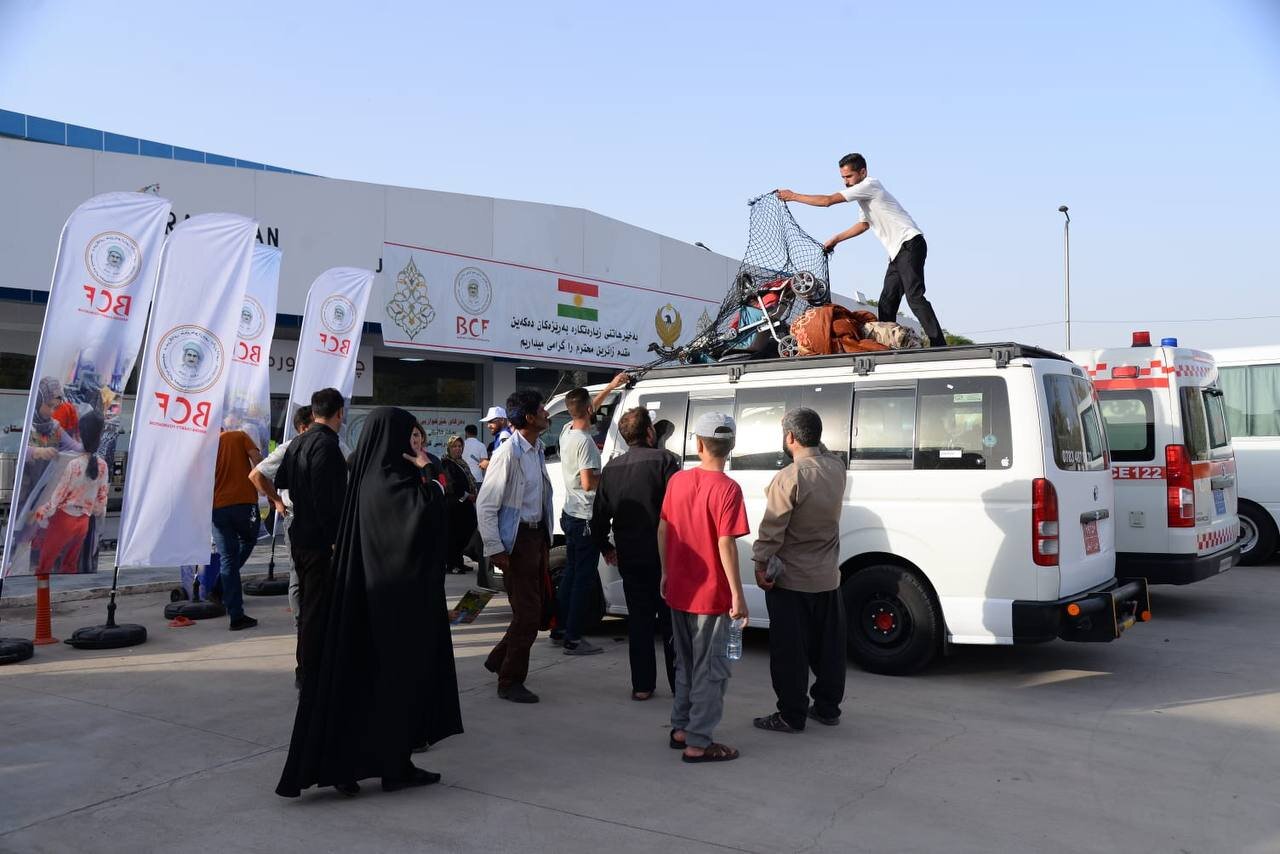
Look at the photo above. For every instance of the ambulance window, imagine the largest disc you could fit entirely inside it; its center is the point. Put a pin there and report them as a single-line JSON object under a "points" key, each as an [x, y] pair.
{"points": [[698, 407], [883, 427], [759, 420], [1078, 443], [963, 423], [1219, 435], [1129, 419], [1195, 425]]}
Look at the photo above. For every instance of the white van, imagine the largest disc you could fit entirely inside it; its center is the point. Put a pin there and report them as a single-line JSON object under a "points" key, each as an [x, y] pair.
{"points": [[978, 504], [1171, 459], [1250, 382]]}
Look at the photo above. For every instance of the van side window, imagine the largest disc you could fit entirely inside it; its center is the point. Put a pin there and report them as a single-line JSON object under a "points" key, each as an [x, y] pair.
{"points": [[884, 426], [1129, 419], [1219, 435], [759, 417], [1251, 395], [697, 407], [1078, 440], [963, 423], [667, 412], [832, 403], [551, 438], [1195, 423]]}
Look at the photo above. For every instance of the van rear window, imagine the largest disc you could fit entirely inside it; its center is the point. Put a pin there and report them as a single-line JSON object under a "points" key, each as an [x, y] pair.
{"points": [[1129, 419], [1219, 435], [1078, 440], [1195, 423]]}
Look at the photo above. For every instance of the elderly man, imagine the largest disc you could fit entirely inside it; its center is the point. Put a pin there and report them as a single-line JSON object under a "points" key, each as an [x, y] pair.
{"points": [[796, 556]]}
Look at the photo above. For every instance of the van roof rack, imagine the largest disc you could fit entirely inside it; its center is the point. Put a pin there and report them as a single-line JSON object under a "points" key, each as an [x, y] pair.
{"points": [[864, 363]]}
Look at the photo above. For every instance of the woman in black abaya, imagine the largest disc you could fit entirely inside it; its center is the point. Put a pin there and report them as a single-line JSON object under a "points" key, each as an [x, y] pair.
{"points": [[385, 680]]}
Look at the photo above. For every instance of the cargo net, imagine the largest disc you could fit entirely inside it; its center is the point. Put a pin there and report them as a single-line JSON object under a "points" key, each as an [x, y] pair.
{"points": [[783, 272]]}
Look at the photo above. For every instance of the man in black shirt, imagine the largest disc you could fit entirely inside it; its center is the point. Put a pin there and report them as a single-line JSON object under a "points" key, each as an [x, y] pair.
{"points": [[629, 500], [315, 473]]}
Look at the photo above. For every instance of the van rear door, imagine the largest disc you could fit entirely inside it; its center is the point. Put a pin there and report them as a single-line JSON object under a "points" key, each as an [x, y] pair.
{"points": [[1077, 467], [1213, 468]]}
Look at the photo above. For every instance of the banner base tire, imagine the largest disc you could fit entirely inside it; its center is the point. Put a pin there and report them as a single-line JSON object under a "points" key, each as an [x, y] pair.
{"points": [[108, 637], [198, 610], [266, 587], [13, 650]]}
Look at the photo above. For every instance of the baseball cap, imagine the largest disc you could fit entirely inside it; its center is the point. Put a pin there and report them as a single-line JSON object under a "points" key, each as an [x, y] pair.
{"points": [[715, 425], [494, 413]]}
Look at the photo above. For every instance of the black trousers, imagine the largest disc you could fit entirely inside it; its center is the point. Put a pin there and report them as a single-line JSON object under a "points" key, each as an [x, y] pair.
{"points": [[647, 614], [806, 633], [906, 276], [314, 568]]}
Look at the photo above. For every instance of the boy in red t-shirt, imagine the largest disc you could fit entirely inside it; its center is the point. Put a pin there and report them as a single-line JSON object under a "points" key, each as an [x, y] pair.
{"points": [[702, 515]]}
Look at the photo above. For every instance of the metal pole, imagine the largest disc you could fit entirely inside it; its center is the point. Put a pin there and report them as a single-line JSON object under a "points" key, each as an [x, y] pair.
{"points": [[1066, 266]]}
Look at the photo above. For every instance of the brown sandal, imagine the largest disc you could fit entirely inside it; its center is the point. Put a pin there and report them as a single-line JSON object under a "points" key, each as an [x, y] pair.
{"points": [[713, 753]]}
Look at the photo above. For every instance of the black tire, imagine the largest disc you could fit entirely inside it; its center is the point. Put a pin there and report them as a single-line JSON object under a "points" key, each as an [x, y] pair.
{"points": [[894, 626], [1257, 534], [199, 610]]}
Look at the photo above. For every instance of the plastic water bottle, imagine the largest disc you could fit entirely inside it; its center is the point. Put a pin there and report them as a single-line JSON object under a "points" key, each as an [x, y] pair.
{"points": [[733, 650]]}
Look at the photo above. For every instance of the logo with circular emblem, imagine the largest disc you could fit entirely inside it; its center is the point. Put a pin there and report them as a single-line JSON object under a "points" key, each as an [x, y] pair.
{"points": [[189, 358], [252, 319], [113, 259], [338, 314], [473, 290]]}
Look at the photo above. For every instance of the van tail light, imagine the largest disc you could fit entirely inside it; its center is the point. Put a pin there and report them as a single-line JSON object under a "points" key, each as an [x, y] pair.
{"points": [[1044, 523], [1124, 372], [1181, 487]]}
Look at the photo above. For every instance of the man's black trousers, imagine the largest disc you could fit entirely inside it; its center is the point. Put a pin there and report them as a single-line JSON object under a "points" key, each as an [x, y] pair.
{"points": [[806, 633], [906, 276], [648, 615]]}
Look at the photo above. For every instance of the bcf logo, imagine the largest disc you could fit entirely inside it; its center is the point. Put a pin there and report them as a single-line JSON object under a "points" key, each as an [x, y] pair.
{"points": [[335, 344], [473, 327], [249, 354], [183, 411], [106, 302]]}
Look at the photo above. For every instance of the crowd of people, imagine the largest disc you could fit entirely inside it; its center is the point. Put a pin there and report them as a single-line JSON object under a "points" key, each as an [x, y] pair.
{"points": [[372, 533]]}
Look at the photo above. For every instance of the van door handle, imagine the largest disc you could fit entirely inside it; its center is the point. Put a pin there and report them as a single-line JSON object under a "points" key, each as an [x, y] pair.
{"points": [[1222, 481], [1094, 516]]}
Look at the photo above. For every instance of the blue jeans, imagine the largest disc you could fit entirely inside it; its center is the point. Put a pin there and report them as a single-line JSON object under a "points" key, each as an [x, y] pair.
{"points": [[580, 569], [235, 532]]}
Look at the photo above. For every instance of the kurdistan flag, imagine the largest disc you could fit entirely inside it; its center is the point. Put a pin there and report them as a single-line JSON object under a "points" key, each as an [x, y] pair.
{"points": [[578, 300]]}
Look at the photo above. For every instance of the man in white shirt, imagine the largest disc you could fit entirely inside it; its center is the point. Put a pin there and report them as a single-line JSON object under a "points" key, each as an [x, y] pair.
{"points": [[475, 453], [902, 239]]}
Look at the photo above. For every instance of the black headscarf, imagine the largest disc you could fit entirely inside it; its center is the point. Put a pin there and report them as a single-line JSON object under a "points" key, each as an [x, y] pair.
{"points": [[385, 681]]}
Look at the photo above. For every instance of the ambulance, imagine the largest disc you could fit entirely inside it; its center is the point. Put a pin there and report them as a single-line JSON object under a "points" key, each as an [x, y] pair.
{"points": [[1172, 463]]}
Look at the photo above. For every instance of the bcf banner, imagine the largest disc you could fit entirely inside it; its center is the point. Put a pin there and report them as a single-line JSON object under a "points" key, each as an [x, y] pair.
{"points": [[329, 344], [102, 283], [166, 519], [440, 301], [248, 400]]}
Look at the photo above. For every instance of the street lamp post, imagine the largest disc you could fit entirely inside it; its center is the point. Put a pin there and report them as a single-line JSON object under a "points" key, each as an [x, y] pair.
{"points": [[1066, 265]]}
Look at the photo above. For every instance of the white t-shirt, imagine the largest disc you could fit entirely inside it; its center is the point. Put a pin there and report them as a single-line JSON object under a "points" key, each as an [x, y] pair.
{"points": [[578, 452], [271, 464], [473, 451], [888, 219]]}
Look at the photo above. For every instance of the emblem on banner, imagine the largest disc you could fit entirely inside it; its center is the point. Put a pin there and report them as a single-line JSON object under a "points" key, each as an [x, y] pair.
{"points": [[189, 358], [667, 323], [252, 319], [113, 259], [338, 314], [473, 290], [704, 320], [409, 308]]}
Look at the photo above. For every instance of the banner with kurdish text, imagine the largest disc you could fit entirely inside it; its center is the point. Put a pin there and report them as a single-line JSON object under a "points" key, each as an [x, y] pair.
{"points": [[329, 344], [441, 301], [248, 399], [93, 324], [168, 496]]}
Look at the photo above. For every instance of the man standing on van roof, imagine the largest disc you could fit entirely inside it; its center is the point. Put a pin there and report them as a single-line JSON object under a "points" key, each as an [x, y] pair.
{"points": [[799, 539], [897, 231]]}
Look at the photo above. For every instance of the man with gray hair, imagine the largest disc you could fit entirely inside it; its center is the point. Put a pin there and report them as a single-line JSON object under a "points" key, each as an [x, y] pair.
{"points": [[796, 555]]}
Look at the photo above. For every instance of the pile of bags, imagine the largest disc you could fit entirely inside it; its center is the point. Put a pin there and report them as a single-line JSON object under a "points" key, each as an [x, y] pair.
{"points": [[835, 329]]}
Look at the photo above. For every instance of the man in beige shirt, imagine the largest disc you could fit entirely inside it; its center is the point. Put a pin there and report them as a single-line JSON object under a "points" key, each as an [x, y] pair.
{"points": [[796, 556]]}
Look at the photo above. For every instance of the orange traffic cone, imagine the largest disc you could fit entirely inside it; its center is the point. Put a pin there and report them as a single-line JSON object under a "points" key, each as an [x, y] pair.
{"points": [[44, 613]]}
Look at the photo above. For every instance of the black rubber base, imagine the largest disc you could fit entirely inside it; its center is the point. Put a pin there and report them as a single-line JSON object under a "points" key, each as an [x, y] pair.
{"points": [[13, 650], [108, 637], [194, 610], [266, 587]]}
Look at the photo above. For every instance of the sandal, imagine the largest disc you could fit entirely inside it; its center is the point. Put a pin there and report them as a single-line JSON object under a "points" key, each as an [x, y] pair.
{"points": [[713, 753], [775, 723], [641, 696], [672, 743]]}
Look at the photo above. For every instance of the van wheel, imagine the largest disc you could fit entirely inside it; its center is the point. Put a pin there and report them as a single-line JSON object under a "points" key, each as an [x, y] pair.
{"points": [[1257, 534], [893, 624]]}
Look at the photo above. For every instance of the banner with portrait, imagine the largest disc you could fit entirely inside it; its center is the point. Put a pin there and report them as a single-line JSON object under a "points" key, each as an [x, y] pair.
{"points": [[248, 399], [329, 343], [437, 300], [166, 519], [103, 278]]}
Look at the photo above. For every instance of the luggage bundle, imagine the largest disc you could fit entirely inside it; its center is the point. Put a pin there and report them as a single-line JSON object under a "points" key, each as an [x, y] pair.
{"points": [[822, 330]]}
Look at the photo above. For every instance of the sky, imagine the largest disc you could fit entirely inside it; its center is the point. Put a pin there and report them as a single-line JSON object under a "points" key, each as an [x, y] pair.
{"points": [[1157, 123]]}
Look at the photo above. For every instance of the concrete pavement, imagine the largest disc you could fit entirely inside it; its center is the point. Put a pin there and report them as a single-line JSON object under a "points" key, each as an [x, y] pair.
{"points": [[1163, 741]]}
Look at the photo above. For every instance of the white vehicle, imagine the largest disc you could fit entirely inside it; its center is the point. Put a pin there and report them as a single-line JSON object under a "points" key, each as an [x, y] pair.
{"points": [[1250, 382], [1171, 458], [978, 504]]}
